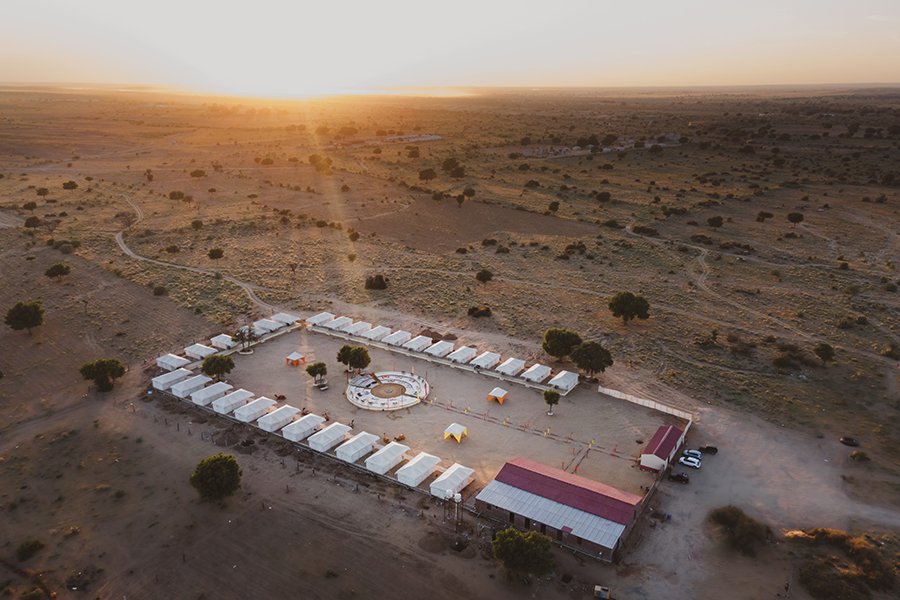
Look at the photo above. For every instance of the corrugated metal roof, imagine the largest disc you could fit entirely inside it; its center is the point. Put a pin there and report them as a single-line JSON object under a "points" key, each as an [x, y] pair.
{"points": [[570, 490], [663, 442], [582, 524]]}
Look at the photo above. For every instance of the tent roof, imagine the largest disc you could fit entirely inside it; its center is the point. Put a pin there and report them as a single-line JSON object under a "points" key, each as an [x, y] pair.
{"points": [[268, 324], [216, 388], [171, 361], [388, 454], [440, 348], [320, 318], [565, 380], [200, 350], [330, 434], [397, 338], [223, 338], [536, 373], [463, 354], [358, 327], [295, 356], [486, 360], [189, 383], [663, 441], [285, 318], [338, 323], [511, 366], [455, 429], [417, 468], [498, 392], [377, 333], [418, 343], [176, 375], [453, 479], [357, 442]]}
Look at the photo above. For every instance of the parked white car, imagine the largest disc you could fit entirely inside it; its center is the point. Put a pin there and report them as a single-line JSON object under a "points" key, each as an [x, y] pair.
{"points": [[689, 461]]}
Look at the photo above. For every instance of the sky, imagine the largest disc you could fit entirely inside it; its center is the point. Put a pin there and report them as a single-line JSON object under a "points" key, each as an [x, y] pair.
{"points": [[298, 47]]}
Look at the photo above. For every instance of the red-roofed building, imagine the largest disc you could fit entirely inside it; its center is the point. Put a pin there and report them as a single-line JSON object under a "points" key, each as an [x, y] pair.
{"points": [[662, 448], [584, 515]]}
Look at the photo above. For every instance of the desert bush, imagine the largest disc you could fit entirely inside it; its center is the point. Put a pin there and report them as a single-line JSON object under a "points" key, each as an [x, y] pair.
{"points": [[376, 282], [845, 323], [743, 532], [28, 548], [462, 250], [160, 290], [859, 456], [479, 311], [830, 577], [645, 230], [489, 242], [612, 224], [172, 249]]}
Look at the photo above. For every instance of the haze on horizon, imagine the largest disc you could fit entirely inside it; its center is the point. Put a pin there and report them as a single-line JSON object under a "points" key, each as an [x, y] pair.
{"points": [[297, 48]]}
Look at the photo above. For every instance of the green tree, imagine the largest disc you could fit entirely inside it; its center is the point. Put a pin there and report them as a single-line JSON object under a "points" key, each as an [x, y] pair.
{"points": [[483, 276], [58, 270], [103, 372], [196, 224], [449, 164], [245, 336], [655, 149], [359, 358], [628, 306], [469, 192], [554, 206], [216, 253], [795, 218], [458, 172], [70, 185], [762, 215], [42, 191], [824, 351], [176, 195], [25, 315], [714, 222], [343, 355], [32, 223], [591, 357], [217, 477], [524, 552], [427, 174], [412, 153], [217, 365], [317, 370], [460, 199], [198, 173], [551, 397], [30, 206], [558, 343]]}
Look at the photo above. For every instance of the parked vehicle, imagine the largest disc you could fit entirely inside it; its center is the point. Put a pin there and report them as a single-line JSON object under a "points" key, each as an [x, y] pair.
{"points": [[679, 477], [689, 461], [708, 449], [849, 441], [693, 453]]}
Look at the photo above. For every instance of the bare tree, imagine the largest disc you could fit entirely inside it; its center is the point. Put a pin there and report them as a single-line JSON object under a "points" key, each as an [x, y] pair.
{"points": [[127, 218], [293, 268], [51, 224]]}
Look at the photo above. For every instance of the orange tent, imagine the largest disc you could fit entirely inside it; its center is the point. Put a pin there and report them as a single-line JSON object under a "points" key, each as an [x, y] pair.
{"points": [[295, 359], [498, 394]]}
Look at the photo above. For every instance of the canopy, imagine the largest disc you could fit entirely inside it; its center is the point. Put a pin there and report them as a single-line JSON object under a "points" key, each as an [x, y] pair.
{"points": [[302, 427], [170, 362], [397, 338], [387, 458], [295, 358], [453, 481], [418, 469], [267, 325], [511, 367], [358, 328], [564, 380], [418, 343], [229, 402], [199, 351], [457, 431], [167, 380], [185, 388], [277, 419], [377, 333], [463, 355], [486, 360], [320, 319], [328, 437], [206, 395], [223, 342], [498, 394], [254, 410], [284, 318], [442, 348], [338, 323], [536, 373], [356, 447]]}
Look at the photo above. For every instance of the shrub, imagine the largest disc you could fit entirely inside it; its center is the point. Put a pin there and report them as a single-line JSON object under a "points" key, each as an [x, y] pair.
{"points": [[66, 248], [489, 242], [172, 249], [845, 323], [462, 250], [645, 230], [321, 223], [480, 311], [353, 236], [28, 548], [612, 224], [160, 290], [742, 531], [376, 282]]}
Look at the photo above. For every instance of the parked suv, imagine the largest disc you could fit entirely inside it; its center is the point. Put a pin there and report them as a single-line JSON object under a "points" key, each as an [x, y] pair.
{"points": [[689, 461], [693, 454], [679, 477]]}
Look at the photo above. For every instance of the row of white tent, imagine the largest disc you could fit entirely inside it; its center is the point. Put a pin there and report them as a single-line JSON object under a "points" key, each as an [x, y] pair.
{"points": [[512, 367], [183, 384], [195, 352]]}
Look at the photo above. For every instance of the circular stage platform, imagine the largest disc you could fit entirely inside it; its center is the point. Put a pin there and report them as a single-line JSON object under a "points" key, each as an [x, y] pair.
{"points": [[387, 390]]}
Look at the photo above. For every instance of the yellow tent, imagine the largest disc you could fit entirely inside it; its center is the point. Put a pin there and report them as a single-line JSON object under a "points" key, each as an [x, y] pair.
{"points": [[457, 431], [498, 394], [295, 359]]}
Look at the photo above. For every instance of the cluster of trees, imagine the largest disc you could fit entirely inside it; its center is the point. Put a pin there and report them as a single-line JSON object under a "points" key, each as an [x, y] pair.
{"points": [[217, 366], [450, 166], [354, 357], [103, 372], [588, 356], [317, 370]]}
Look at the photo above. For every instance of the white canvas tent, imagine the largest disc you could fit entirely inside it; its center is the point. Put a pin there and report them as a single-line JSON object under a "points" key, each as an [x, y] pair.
{"points": [[277, 419], [320, 319], [356, 447], [536, 373], [387, 458], [208, 394], [284, 318], [338, 323], [418, 469], [486, 360], [397, 338], [564, 380], [453, 481], [167, 380], [511, 367], [358, 328], [199, 351], [254, 410], [185, 388], [418, 343], [463, 355], [267, 325], [229, 402], [223, 342], [377, 333], [328, 437], [440, 349], [302, 427], [170, 362]]}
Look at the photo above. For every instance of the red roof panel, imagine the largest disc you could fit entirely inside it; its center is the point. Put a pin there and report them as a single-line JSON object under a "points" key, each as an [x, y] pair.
{"points": [[663, 442]]}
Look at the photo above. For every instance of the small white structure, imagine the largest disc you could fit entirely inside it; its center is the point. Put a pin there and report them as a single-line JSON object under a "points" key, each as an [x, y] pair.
{"points": [[511, 367], [267, 325], [397, 338], [418, 343], [320, 319], [254, 410], [418, 469], [208, 394], [170, 362], [338, 323], [167, 380], [356, 447], [564, 380], [199, 351], [453, 481], [463, 355], [185, 388], [387, 458], [229, 402], [277, 419], [358, 328], [302, 428], [440, 349], [486, 360], [536, 373], [285, 318], [223, 342], [328, 437], [377, 333]]}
